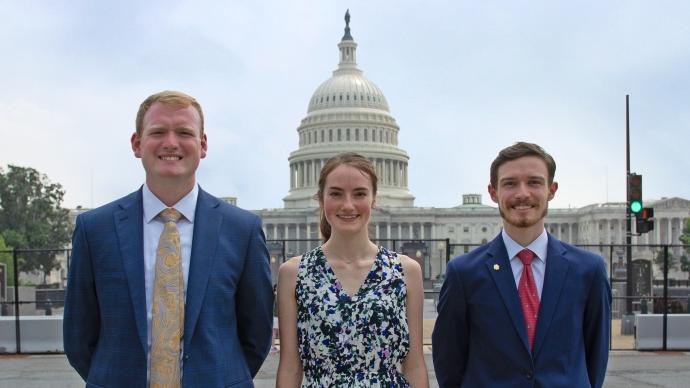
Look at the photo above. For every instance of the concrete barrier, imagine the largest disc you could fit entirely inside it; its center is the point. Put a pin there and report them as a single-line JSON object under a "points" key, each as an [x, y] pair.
{"points": [[649, 332], [39, 334]]}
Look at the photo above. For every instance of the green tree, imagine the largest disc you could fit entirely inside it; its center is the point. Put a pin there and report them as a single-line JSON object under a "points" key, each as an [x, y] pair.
{"points": [[685, 236], [6, 258], [685, 239], [659, 260], [685, 264], [31, 217]]}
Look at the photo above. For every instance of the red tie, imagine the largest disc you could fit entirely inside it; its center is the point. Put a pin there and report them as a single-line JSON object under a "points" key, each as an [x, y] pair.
{"points": [[528, 294]]}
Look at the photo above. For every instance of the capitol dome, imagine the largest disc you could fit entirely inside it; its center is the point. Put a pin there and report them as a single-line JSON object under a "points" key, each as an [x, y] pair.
{"points": [[348, 113], [347, 88]]}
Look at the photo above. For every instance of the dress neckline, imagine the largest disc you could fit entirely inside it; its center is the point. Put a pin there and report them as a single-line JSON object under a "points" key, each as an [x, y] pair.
{"points": [[340, 290]]}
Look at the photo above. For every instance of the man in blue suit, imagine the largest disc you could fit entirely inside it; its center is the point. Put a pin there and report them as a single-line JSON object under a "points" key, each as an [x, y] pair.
{"points": [[524, 310], [222, 265]]}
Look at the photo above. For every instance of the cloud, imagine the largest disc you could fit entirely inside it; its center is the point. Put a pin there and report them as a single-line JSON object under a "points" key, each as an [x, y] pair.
{"points": [[463, 79]]}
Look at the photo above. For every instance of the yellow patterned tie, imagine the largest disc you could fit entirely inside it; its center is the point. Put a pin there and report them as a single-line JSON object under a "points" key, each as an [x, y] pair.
{"points": [[167, 324]]}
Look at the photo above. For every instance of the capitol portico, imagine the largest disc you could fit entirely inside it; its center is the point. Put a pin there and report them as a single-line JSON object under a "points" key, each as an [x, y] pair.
{"points": [[348, 112]]}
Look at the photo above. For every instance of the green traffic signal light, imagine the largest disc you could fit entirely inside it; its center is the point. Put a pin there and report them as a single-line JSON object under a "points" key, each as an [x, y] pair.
{"points": [[635, 206], [635, 193]]}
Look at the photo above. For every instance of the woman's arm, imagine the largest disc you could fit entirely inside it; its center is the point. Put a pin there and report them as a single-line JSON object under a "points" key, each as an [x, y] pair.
{"points": [[290, 366], [414, 367]]}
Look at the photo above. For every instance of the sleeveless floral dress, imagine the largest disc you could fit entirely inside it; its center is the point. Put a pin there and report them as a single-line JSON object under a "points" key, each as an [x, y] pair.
{"points": [[357, 341]]}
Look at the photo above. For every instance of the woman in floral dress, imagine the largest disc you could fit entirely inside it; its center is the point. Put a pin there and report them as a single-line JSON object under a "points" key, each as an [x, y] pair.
{"points": [[350, 312]]}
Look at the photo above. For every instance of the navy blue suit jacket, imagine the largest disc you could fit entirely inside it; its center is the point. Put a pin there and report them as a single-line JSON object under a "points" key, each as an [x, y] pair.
{"points": [[480, 338], [228, 312]]}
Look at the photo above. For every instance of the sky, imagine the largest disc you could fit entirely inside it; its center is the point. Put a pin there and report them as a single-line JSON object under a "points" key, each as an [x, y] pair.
{"points": [[462, 78]]}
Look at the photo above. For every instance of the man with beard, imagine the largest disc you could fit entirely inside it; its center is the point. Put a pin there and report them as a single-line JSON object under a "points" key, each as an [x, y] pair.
{"points": [[525, 310]]}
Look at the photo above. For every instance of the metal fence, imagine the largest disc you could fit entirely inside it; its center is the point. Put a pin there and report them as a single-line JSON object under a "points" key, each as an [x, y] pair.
{"points": [[33, 283]]}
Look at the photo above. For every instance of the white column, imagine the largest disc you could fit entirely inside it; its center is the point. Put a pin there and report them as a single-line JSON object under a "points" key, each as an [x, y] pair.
{"points": [[405, 175], [608, 231], [421, 230], [304, 173], [298, 176], [275, 231], [657, 231], [388, 230], [292, 180], [394, 170], [314, 173], [377, 231], [385, 172]]}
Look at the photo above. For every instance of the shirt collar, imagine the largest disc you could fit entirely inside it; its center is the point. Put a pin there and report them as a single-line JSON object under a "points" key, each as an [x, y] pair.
{"points": [[153, 206], [539, 246]]}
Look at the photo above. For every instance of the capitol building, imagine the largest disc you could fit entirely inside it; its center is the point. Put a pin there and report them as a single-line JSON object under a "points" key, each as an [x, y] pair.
{"points": [[348, 112]]}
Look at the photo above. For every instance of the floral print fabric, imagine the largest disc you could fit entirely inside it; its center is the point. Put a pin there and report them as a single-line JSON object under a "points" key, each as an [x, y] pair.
{"points": [[352, 341]]}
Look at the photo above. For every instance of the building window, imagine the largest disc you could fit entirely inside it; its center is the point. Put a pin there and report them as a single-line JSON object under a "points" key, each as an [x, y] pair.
{"points": [[483, 229], [466, 229], [347, 134], [366, 138], [339, 137], [356, 134], [330, 135]]}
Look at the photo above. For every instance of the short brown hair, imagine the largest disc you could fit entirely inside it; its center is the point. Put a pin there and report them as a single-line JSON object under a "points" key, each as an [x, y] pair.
{"points": [[170, 98], [519, 150], [351, 159]]}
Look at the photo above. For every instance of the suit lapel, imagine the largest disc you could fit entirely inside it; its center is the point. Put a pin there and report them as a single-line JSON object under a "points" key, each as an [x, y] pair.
{"points": [[207, 223], [554, 278], [130, 233], [498, 265]]}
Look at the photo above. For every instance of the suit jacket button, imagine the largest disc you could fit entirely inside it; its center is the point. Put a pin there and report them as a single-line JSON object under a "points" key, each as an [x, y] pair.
{"points": [[186, 357], [528, 375]]}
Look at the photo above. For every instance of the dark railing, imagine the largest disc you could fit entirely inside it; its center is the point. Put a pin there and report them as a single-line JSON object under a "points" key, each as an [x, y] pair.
{"points": [[26, 293]]}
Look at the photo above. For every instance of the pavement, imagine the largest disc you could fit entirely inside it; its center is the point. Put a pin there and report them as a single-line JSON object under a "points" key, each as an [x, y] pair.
{"points": [[627, 369]]}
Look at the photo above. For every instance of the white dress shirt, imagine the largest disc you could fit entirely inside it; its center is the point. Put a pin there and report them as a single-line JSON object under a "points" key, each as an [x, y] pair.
{"points": [[539, 246], [153, 227]]}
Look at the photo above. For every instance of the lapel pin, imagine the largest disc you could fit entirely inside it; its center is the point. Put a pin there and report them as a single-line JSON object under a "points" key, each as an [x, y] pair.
{"points": [[496, 267]]}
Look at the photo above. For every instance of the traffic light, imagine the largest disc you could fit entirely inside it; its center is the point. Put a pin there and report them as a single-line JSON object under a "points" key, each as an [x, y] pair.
{"points": [[645, 220], [635, 193]]}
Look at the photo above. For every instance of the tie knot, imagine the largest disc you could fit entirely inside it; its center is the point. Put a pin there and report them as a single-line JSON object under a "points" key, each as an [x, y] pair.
{"points": [[170, 214], [526, 256]]}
